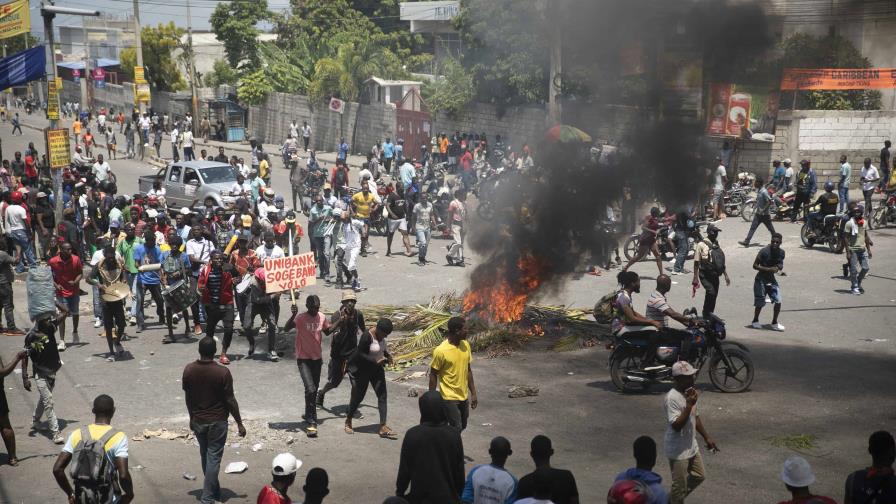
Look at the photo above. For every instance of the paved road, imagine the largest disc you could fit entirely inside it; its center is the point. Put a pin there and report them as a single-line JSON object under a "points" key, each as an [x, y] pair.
{"points": [[829, 375]]}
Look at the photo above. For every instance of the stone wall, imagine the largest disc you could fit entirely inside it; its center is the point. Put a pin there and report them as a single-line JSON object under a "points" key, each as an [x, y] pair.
{"points": [[269, 121], [374, 123], [518, 125]]}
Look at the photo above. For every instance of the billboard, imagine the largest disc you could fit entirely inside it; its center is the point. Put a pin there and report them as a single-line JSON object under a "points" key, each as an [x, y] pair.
{"points": [[833, 79], [743, 111], [58, 148], [15, 19]]}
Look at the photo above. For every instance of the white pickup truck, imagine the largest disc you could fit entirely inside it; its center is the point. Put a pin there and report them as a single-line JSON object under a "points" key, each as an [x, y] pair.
{"points": [[189, 181]]}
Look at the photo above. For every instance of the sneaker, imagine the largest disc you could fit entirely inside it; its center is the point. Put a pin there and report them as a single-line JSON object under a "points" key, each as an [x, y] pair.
{"points": [[251, 349], [311, 430], [110, 358], [675, 273], [319, 402], [861, 289], [97, 322], [132, 321], [274, 357], [35, 426], [857, 292], [175, 318], [61, 345], [777, 327], [744, 243], [58, 439], [756, 325], [357, 286], [450, 260]]}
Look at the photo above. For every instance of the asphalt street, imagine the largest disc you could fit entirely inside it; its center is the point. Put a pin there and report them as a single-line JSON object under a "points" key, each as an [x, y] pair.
{"points": [[829, 375]]}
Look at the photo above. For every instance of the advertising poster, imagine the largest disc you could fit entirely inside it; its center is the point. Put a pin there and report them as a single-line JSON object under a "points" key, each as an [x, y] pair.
{"points": [[58, 148], [735, 110], [15, 19], [833, 79]]}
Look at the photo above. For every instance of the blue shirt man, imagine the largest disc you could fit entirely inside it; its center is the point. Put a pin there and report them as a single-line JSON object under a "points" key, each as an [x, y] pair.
{"points": [[343, 150], [388, 149], [407, 173], [148, 253]]}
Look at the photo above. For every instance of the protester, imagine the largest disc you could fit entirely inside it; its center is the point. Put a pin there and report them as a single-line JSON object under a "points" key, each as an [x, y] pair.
{"points": [[310, 328], [175, 269], [345, 325], [843, 186], [858, 248], [709, 265], [396, 206], [432, 457], [367, 368], [769, 260], [67, 272], [458, 211], [797, 475], [148, 257], [7, 297], [560, 484], [199, 250], [805, 188], [9, 436], [452, 372], [101, 447], [215, 287], [876, 484], [422, 220], [645, 458], [283, 470], [869, 179], [40, 343], [17, 223], [626, 321], [761, 213], [316, 486], [491, 483], [208, 392], [364, 205], [105, 274], [647, 241], [541, 488]]}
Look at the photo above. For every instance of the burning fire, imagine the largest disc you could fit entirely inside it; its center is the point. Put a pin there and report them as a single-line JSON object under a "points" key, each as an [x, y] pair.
{"points": [[504, 299]]}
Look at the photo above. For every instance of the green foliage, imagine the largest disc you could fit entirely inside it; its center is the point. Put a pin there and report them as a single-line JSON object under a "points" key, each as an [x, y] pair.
{"points": [[506, 49], [162, 72], [286, 72], [452, 92], [234, 24], [806, 51], [222, 73], [253, 88], [17, 44]]}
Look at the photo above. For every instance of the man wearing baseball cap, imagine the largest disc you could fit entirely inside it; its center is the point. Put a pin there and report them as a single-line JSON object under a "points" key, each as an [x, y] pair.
{"points": [[797, 475], [682, 424], [283, 470]]}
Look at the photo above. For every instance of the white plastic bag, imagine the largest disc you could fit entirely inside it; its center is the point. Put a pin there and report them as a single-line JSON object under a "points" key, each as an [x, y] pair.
{"points": [[41, 292]]}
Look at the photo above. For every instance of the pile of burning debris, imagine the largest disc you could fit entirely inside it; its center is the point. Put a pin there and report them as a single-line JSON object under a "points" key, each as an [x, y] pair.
{"points": [[499, 317]]}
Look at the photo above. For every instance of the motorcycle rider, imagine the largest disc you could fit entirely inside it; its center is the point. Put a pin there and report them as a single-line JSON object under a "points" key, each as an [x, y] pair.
{"points": [[628, 322], [827, 205], [805, 188], [658, 309]]}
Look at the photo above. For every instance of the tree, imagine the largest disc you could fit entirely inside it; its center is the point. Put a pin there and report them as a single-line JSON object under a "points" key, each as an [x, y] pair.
{"points": [[343, 74], [253, 88], [222, 73], [161, 71], [234, 24], [17, 44], [806, 51], [452, 91]]}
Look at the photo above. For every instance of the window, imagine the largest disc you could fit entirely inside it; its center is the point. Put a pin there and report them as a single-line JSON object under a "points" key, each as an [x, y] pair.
{"points": [[219, 174], [190, 175], [174, 174]]}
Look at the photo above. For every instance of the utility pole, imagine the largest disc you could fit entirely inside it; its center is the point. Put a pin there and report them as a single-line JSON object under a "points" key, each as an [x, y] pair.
{"points": [[194, 99], [138, 33], [555, 83], [49, 11], [83, 78]]}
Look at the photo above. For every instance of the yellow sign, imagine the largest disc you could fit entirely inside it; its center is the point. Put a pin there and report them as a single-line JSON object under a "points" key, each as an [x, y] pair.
{"points": [[15, 19], [52, 99], [141, 93], [59, 83], [58, 147], [139, 75]]}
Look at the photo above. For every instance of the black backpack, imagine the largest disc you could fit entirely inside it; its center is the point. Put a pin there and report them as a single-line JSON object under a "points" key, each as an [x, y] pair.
{"points": [[716, 263]]}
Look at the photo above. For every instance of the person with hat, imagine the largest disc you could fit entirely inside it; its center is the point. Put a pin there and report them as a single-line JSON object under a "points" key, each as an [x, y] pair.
{"points": [[264, 205], [345, 326], [858, 248], [761, 213], [683, 422], [17, 223], [805, 188], [283, 470], [107, 276], [709, 266], [367, 366], [199, 249], [797, 475], [175, 268]]}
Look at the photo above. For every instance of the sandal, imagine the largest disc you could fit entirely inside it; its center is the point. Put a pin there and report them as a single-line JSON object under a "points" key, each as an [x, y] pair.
{"points": [[387, 433], [223, 359], [348, 429]]}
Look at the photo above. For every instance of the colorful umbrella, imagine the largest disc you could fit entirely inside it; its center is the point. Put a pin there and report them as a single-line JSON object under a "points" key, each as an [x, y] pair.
{"points": [[566, 134]]}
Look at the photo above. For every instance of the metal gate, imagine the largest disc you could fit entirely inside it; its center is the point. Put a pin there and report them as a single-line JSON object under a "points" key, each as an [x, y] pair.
{"points": [[413, 124]]}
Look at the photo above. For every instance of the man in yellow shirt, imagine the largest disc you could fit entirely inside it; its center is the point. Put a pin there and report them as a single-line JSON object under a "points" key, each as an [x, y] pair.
{"points": [[264, 169], [452, 373], [114, 477], [76, 130], [363, 206]]}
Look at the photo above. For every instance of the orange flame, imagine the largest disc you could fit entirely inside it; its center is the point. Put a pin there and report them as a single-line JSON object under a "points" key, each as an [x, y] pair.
{"points": [[503, 300]]}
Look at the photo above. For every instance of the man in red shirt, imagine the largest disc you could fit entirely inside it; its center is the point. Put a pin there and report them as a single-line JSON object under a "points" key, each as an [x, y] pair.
{"points": [[310, 328], [284, 470], [215, 287], [67, 272]]}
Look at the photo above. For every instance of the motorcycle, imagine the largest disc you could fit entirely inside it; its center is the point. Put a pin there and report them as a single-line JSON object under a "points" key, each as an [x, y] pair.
{"points": [[885, 212], [829, 234], [778, 210], [729, 363], [733, 200], [662, 241]]}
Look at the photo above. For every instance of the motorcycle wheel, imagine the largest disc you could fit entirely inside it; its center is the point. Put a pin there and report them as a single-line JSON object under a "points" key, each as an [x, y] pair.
{"points": [[747, 210], [735, 204], [834, 243], [485, 211], [620, 365], [738, 378], [804, 235], [879, 219], [631, 246]]}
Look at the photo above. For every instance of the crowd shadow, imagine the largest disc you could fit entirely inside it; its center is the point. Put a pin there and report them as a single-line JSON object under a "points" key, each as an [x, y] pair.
{"points": [[226, 494]]}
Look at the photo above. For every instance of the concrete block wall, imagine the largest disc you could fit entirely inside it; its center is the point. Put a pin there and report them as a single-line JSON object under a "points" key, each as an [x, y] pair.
{"points": [[374, 123], [270, 120], [327, 127], [518, 125]]}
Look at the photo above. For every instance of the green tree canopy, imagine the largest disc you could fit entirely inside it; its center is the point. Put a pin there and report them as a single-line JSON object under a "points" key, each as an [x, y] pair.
{"points": [[806, 51], [452, 91], [234, 24], [161, 70], [222, 73]]}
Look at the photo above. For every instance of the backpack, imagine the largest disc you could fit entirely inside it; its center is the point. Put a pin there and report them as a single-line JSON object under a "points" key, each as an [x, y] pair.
{"points": [[91, 470], [339, 177], [874, 490], [604, 310], [716, 263]]}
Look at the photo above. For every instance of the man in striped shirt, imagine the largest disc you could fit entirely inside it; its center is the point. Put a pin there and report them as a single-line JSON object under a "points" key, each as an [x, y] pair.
{"points": [[658, 309]]}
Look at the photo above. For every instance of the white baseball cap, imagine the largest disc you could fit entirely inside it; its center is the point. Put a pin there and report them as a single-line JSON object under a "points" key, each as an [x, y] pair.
{"points": [[797, 472], [683, 368], [285, 464], [185, 211], [152, 213]]}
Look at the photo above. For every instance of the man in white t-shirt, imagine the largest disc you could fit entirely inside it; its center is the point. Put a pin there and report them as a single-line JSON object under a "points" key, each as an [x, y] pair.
{"points": [[269, 249], [306, 134], [491, 483], [101, 169], [188, 145], [682, 424], [144, 128], [115, 448], [870, 178], [719, 182]]}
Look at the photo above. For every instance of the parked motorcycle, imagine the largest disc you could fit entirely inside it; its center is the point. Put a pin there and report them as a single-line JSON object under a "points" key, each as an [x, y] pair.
{"points": [[778, 210], [829, 234], [733, 200], [662, 241], [730, 366], [885, 212]]}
